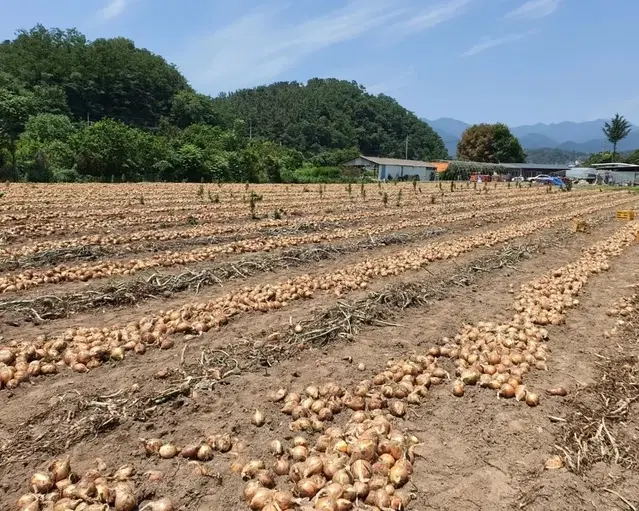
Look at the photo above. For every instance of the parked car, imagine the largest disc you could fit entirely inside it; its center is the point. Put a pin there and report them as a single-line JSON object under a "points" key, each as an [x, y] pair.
{"points": [[540, 177], [518, 179]]}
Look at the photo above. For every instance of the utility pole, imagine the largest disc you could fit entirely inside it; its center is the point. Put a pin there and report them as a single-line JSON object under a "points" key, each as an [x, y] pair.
{"points": [[407, 147]]}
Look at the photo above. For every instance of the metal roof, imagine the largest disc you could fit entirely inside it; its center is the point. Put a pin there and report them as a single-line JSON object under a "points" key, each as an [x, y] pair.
{"points": [[616, 166], [395, 161]]}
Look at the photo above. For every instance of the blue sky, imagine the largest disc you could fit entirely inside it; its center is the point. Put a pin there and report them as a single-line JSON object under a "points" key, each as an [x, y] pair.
{"points": [[515, 61]]}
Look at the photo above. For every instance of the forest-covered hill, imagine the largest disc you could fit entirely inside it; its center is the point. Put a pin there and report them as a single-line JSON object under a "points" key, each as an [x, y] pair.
{"points": [[74, 109]]}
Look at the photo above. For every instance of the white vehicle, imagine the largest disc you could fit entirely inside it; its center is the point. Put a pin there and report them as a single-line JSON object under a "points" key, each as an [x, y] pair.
{"points": [[518, 179], [540, 177]]}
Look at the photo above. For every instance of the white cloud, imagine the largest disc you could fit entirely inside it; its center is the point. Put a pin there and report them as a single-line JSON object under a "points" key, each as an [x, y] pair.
{"points": [[433, 16], [492, 42], [534, 9], [260, 46], [113, 9]]}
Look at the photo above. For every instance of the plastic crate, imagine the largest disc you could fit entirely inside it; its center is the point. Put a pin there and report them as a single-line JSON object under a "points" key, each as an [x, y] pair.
{"points": [[626, 215]]}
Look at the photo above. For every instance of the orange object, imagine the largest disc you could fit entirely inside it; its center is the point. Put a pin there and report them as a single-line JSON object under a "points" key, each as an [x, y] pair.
{"points": [[440, 166]]}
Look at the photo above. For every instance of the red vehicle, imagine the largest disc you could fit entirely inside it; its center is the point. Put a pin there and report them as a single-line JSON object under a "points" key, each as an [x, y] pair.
{"points": [[484, 177]]}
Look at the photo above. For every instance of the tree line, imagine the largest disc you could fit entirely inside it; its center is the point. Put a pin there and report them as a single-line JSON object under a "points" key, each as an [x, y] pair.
{"points": [[104, 110], [494, 143]]}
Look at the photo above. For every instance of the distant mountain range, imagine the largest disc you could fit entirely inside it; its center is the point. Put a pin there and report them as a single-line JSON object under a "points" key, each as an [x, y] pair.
{"points": [[580, 137]]}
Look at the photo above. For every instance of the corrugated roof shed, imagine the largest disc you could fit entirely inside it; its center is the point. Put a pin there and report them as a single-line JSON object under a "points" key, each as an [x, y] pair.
{"points": [[394, 161]]}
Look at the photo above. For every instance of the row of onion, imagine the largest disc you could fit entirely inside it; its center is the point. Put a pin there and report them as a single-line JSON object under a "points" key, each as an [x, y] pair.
{"points": [[348, 465], [85, 348], [59, 488], [368, 461], [20, 206], [90, 271], [214, 229]]}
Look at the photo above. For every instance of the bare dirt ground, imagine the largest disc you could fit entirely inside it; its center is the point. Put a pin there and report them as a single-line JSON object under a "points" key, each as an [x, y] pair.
{"points": [[476, 452]]}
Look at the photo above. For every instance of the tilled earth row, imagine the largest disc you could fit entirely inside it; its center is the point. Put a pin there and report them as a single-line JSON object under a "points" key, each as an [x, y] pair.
{"points": [[179, 413]]}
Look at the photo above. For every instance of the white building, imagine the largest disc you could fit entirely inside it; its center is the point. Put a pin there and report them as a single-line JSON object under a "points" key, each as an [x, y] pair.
{"points": [[617, 173], [391, 168]]}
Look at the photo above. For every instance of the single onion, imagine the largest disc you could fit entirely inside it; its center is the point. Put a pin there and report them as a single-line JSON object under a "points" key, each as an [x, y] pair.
{"points": [[307, 488], [260, 498], [276, 448], [41, 483], [124, 498], [258, 418], [284, 500], [281, 467], [532, 399], [60, 469], [362, 470], [168, 451], [251, 468]]}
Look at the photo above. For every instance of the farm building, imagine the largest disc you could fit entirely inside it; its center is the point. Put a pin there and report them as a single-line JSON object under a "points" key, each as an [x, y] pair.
{"points": [[617, 173], [391, 168], [582, 173]]}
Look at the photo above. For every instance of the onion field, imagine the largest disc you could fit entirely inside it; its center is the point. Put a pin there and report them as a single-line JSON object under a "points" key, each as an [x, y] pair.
{"points": [[368, 346]]}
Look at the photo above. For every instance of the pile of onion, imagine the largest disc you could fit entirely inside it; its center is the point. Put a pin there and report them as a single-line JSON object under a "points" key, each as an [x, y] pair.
{"points": [[59, 488]]}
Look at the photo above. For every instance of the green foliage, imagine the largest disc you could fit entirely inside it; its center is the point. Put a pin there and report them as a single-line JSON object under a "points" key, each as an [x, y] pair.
{"points": [[190, 164], [15, 108], [603, 157], [490, 143], [104, 148], [317, 175], [43, 152], [188, 107], [254, 198], [78, 110], [335, 157], [48, 128], [616, 130], [329, 114], [103, 78], [553, 156]]}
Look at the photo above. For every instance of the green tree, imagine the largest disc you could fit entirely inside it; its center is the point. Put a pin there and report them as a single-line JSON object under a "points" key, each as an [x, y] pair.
{"points": [[273, 169], [102, 78], [616, 130], [191, 164], [188, 107], [328, 114], [106, 148], [15, 108], [506, 146], [43, 152], [50, 99], [48, 128], [490, 143], [603, 157]]}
